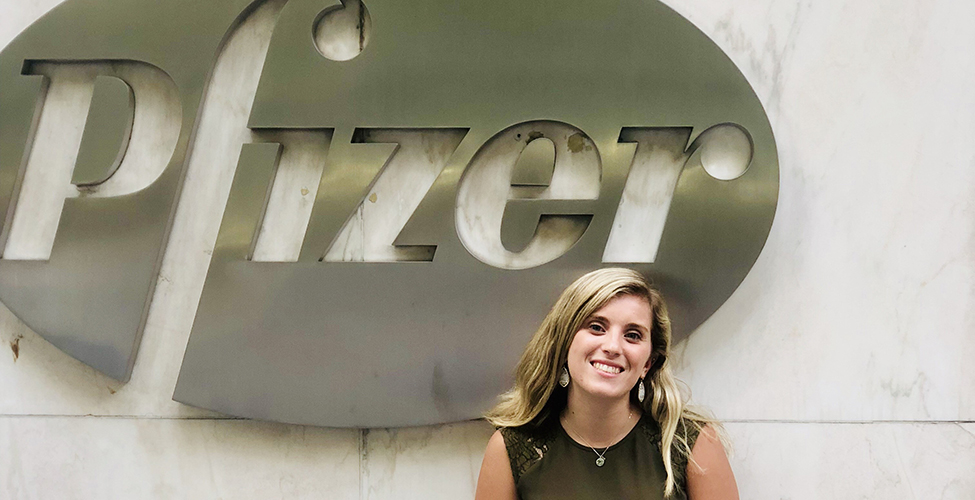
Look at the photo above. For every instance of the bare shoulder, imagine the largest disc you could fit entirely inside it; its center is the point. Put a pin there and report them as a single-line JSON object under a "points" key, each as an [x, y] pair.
{"points": [[495, 480], [709, 475]]}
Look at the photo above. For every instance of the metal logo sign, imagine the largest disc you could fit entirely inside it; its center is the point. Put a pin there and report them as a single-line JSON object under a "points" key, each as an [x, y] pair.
{"points": [[518, 145]]}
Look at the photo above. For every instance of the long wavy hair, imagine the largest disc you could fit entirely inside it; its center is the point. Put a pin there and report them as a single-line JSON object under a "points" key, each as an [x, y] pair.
{"points": [[536, 397]]}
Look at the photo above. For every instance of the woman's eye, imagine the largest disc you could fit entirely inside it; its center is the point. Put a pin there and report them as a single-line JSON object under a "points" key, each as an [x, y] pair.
{"points": [[596, 327], [634, 335]]}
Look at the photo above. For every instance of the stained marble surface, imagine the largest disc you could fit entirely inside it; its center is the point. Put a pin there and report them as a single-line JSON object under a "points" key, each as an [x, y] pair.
{"points": [[423, 462], [854, 460], [859, 310], [860, 306], [18, 14], [160, 458], [110, 458]]}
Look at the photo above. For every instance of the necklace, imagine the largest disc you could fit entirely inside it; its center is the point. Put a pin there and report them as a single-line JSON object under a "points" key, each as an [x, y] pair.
{"points": [[601, 456]]}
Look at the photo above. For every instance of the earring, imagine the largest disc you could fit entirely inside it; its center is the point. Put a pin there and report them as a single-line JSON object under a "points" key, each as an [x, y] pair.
{"points": [[564, 378], [641, 392]]}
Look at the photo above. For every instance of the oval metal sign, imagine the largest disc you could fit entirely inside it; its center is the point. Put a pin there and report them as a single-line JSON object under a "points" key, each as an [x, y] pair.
{"points": [[523, 144]]}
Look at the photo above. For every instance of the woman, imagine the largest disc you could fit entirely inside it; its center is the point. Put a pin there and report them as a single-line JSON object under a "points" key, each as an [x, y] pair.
{"points": [[595, 411]]}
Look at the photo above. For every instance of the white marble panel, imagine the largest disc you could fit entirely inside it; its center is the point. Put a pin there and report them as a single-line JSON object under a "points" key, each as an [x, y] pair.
{"points": [[860, 306], [15, 15], [423, 462], [854, 461], [110, 458], [39, 379]]}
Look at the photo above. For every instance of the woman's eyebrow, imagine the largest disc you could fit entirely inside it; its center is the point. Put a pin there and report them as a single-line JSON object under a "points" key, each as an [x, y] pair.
{"points": [[638, 326]]}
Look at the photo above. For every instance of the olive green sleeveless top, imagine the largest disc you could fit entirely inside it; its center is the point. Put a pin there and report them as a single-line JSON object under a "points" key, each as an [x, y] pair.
{"points": [[547, 464]]}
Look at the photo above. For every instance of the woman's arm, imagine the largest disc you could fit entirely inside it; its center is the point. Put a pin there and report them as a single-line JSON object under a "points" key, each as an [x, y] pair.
{"points": [[711, 478], [495, 480]]}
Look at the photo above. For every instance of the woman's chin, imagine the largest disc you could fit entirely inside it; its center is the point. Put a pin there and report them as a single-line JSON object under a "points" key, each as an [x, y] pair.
{"points": [[608, 394]]}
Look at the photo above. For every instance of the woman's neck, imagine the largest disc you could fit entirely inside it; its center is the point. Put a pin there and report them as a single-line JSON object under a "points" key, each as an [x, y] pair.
{"points": [[598, 423]]}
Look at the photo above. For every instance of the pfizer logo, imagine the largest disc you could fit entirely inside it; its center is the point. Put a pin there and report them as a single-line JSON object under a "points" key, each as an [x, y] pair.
{"points": [[403, 187]]}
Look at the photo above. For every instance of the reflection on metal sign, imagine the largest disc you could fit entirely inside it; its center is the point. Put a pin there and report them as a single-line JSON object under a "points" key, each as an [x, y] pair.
{"points": [[525, 142]]}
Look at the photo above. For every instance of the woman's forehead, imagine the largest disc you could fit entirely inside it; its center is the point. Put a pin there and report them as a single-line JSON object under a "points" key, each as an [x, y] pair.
{"points": [[631, 306]]}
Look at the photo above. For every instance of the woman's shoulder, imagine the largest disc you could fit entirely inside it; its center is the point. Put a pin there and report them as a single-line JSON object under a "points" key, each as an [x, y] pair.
{"points": [[495, 480]]}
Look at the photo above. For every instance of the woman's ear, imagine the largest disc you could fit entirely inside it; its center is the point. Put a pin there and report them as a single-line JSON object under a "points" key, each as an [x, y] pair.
{"points": [[646, 369]]}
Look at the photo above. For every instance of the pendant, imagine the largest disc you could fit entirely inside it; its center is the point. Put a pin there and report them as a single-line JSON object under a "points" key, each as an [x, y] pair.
{"points": [[600, 461]]}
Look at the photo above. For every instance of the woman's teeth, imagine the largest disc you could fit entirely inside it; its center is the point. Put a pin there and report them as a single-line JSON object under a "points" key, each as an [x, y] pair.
{"points": [[606, 368]]}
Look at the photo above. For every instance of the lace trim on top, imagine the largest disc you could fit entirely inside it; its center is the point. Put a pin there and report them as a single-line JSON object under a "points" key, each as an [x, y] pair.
{"points": [[679, 460], [527, 447]]}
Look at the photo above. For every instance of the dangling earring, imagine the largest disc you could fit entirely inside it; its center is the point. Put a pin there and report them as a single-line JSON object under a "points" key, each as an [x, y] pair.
{"points": [[641, 392], [564, 378]]}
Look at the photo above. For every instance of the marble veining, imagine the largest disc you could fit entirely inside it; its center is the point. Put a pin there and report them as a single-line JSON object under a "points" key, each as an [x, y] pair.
{"points": [[859, 309], [424, 462], [890, 460], [94, 458], [860, 305]]}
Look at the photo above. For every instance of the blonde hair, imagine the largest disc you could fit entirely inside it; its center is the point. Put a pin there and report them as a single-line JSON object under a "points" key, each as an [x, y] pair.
{"points": [[534, 399]]}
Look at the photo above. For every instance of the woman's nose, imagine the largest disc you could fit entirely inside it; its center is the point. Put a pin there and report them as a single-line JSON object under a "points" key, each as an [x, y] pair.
{"points": [[611, 344]]}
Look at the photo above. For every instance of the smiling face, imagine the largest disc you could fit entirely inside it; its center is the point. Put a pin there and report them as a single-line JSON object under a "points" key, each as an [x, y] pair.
{"points": [[611, 351]]}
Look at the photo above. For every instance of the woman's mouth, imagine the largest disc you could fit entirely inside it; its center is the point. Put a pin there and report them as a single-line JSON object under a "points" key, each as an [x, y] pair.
{"points": [[608, 369]]}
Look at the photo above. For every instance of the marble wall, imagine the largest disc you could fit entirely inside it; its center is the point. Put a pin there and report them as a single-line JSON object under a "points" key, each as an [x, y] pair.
{"points": [[842, 365]]}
